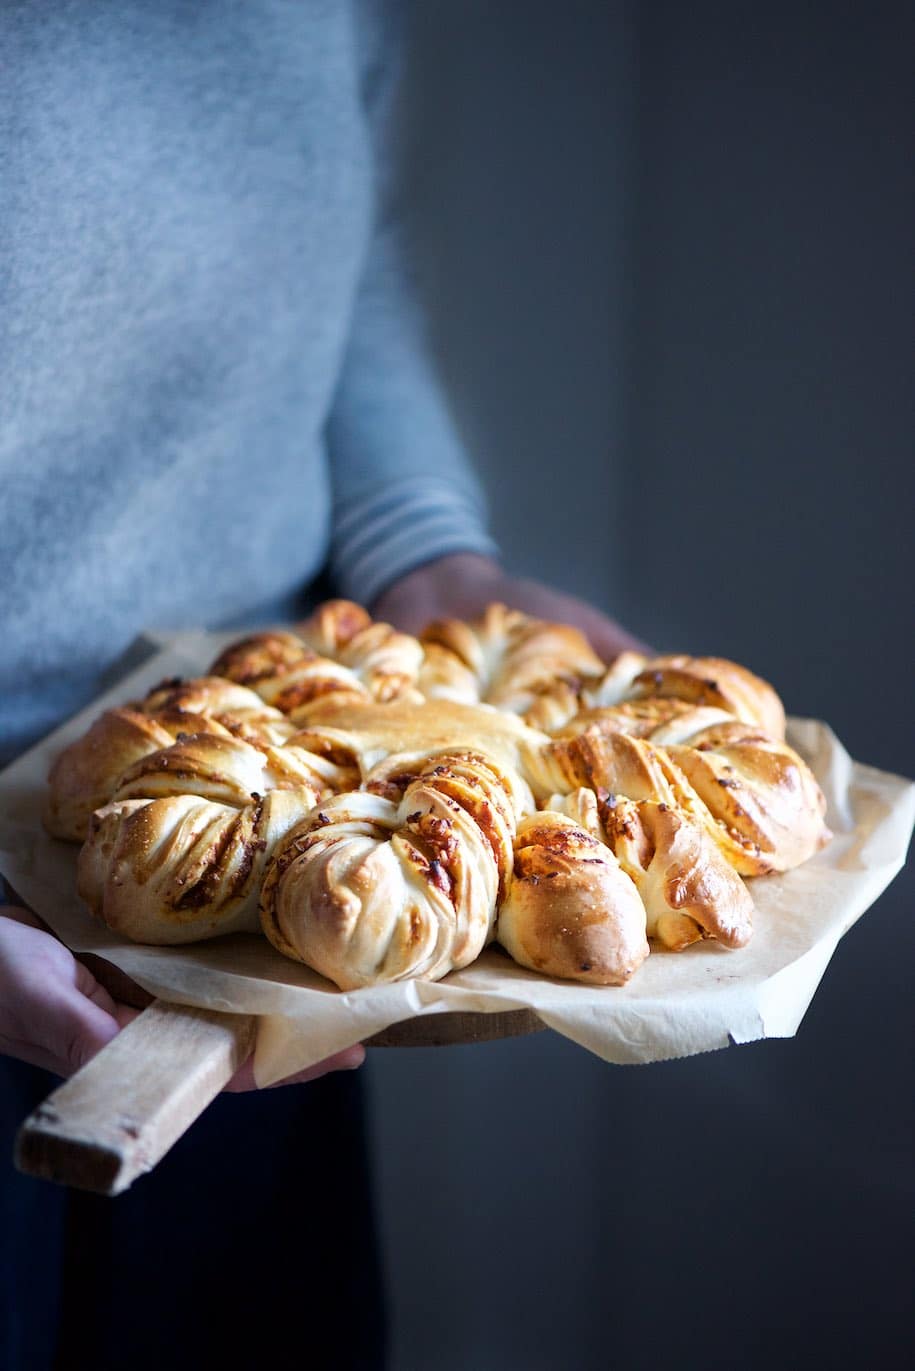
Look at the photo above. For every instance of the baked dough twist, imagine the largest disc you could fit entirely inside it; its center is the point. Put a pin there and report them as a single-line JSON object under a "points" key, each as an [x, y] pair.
{"points": [[183, 869], [755, 797], [230, 771], [687, 887], [180, 851], [85, 775], [591, 875], [678, 680], [571, 910], [339, 651], [369, 888], [508, 659]]}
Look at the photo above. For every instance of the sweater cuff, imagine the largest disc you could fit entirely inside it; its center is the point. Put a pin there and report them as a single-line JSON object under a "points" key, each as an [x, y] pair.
{"points": [[386, 533]]}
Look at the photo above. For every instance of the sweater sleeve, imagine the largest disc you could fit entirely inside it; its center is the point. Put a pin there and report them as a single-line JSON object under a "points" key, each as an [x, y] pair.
{"points": [[404, 491]]}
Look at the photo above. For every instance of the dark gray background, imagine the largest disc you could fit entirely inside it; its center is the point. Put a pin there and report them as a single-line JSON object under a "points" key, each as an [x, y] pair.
{"points": [[666, 249]]}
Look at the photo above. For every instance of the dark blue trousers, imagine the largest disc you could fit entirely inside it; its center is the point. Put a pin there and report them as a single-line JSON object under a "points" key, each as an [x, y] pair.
{"points": [[251, 1244]]}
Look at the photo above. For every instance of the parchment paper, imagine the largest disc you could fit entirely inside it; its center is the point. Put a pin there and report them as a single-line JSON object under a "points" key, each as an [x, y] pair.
{"points": [[676, 1004]]}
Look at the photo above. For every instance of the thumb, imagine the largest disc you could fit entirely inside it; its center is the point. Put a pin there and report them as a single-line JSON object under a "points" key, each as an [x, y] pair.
{"points": [[77, 1023], [63, 1026], [53, 1012]]}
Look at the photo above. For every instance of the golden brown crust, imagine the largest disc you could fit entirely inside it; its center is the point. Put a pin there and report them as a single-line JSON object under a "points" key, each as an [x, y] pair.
{"points": [[639, 718], [260, 656], [689, 890], [571, 911], [85, 775], [334, 625], [227, 770], [180, 852], [758, 787], [340, 650], [520, 664], [714, 681], [207, 695], [759, 801], [181, 869], [384, 660], [374, 731], [311, 678], [444, 675]]}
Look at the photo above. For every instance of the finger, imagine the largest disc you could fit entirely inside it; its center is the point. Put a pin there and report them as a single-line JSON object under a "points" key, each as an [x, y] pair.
{"points": [[77, 1030], [91, 1028], [125, 1014], [61, 1023], [87, 985], [20, 915], [348, 1060], [33, 1054], [609, 640], [55, 1014]]}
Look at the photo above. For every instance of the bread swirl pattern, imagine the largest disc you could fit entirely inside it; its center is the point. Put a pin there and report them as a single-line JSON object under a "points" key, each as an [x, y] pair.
{"points": [[189, 831], [370, 889], [753, 794], [339, 651], [688, 890], [182, 869], [509, 660], [230, 771]]}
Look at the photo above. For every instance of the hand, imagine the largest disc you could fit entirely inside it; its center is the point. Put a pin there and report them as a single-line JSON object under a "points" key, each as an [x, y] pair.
{"points": [[54, 1013], [463, 584]]}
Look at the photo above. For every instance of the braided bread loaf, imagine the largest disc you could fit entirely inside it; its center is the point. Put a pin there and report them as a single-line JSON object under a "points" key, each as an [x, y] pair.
{"points": [[180, 851], [752, 793], [85, 775], [394, 804], [182, 869], [339, 651], [508, 660], [371, 888]]}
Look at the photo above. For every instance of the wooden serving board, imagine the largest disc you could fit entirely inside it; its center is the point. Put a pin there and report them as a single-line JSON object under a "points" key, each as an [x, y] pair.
{"points": [[118, 1116], [431, 1030], [447, 1030]]}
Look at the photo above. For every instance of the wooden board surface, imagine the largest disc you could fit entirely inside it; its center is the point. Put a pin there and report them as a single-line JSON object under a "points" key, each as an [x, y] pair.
{"points": [[431, 1030], [447, 1030]]}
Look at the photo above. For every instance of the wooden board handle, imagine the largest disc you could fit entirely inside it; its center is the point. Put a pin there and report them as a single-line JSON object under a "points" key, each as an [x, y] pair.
{"points": [[118, 1116]]}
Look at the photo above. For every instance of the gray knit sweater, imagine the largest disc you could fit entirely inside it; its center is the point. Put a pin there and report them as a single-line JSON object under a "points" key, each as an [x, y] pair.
{"points": [[212, 379]]}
